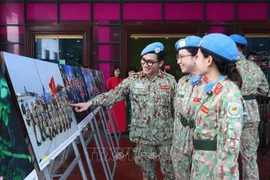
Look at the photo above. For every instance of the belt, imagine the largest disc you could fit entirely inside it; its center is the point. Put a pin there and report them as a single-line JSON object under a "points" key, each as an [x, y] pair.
{"points": [[189, 123], [249, 97], [206, 145]]}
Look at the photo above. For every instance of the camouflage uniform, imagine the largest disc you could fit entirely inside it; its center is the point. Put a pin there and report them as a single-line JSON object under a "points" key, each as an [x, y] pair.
{"points": [[184, 103], [254, 83], [152, 119], [216, 142]]}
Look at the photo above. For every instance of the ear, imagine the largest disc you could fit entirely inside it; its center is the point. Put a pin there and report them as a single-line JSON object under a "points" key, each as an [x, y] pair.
{"points": [[209, 61], [161, 63]]}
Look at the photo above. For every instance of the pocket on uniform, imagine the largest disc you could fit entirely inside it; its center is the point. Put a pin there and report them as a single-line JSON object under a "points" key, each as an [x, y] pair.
{"points": [[203, 158], [163, 99]]}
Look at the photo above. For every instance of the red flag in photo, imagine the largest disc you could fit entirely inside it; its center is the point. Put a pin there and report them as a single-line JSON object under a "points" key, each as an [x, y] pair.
{"points": [[52, 86]]}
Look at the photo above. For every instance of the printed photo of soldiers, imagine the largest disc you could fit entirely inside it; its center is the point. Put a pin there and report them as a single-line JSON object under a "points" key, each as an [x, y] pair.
{"points": [[31, 121]]}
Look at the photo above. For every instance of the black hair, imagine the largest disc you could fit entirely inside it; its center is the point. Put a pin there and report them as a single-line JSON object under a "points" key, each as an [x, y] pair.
{"points": [[240, 47], [114, 69], [192, 50], [131, 68], [225, 67], [161, 55]]}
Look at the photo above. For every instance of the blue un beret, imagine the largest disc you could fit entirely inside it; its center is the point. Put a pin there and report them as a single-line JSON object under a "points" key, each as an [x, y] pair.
{"points": [[155, 47], [188, 42], [221, 45], [238, 39]]}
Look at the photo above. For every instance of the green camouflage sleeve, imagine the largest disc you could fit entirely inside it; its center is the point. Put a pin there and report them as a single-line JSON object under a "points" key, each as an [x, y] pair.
{"points": [[229, 132], [115, 95], [263, 87]]}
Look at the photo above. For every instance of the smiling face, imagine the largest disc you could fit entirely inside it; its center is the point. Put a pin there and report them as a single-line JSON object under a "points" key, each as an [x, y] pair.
{"points": [[202, 63], [186, 61], [150, 64], [117, 72]]}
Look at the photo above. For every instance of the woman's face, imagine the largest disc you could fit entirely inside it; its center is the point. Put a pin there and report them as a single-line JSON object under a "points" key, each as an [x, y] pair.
{"points": [[186, 61], [201, 63], [117, 73]]}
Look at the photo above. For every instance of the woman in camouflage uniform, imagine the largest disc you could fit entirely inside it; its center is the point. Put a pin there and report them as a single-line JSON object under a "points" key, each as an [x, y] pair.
{"points": [[218, 116], [181, 149]]}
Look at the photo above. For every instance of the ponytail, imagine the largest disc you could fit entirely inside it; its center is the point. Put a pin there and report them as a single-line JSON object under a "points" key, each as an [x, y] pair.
{"points": [[233, 74], [225, 68]]}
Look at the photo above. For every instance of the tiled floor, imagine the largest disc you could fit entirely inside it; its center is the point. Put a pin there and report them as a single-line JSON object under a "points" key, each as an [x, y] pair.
{"points": [[128, 170]]}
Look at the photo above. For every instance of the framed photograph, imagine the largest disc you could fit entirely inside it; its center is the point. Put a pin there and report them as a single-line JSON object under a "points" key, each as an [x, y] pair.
{"points": [[99, 85], [75, 86], [42, 99], [89, 82]]}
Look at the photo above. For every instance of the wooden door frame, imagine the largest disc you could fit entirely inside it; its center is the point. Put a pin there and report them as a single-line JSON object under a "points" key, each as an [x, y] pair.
{"points": [[60, 29], [253, 27], [195, 28]]}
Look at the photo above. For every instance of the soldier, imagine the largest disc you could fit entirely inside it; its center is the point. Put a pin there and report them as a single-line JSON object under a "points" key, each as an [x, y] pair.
{"points": [[218, 116], [23, 108], [254, 83], [181, 150], [28, 114], [152, 93], [47, 125], [36, 121], [31, 122]]}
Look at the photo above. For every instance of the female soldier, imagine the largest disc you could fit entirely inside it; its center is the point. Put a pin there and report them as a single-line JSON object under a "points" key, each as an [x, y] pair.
{"points": [[183, 124], [218, 117]]}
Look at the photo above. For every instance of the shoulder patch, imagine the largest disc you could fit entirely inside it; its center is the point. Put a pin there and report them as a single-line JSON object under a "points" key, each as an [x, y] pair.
{"points": [[234, 110]]}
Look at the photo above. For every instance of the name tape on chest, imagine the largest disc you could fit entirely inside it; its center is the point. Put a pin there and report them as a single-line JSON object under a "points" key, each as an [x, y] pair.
{"points": [[165, 87], [234, 110], [139, 85], [180, 93]]}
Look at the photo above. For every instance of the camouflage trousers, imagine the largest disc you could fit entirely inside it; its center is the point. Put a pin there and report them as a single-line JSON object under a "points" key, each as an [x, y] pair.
{"points": [[248, 150], [181, 163], [146, 157]]}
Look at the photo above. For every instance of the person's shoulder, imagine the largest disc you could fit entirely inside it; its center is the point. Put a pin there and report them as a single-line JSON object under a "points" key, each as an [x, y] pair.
{"points": [[246, 63], [169, 76], [184, 78], [132, 77], [232, 90]]}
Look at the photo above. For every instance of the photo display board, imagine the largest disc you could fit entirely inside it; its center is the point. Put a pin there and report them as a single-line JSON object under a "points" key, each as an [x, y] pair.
{"points": [[15, 160], [43, 103]]}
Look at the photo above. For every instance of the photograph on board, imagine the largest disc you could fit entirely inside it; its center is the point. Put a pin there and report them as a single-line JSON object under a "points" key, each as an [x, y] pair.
{"points": [[43, 103]]}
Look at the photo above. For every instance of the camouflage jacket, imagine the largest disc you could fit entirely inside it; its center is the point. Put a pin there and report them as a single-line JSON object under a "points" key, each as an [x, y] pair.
{"points": [[254, 82], [186, 99], [218, 117], [151, 104]]}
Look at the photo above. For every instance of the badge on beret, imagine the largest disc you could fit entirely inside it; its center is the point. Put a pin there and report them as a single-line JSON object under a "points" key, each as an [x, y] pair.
{"points": [[157, 50], [182, 44], [234, 110]]}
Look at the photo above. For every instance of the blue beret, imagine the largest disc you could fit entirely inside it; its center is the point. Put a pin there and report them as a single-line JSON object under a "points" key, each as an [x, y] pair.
{"points": [[221, 45], [155, 47], [188, 42], [26, 103], [238, 39]]}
